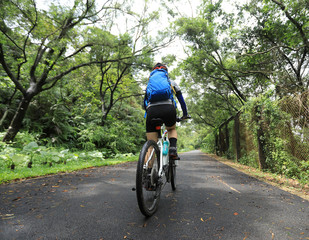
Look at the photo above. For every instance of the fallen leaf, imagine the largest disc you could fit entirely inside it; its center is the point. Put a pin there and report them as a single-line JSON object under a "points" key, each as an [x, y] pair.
{"points": [[235, 213], [82, 206], [202, 219], [7, 216]]}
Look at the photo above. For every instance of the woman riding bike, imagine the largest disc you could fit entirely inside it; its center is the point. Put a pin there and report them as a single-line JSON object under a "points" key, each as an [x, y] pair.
{"points": [[166, 110]]}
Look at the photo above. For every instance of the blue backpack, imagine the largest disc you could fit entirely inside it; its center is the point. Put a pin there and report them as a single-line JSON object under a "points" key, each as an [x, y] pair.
{"points": [[159, 86]]}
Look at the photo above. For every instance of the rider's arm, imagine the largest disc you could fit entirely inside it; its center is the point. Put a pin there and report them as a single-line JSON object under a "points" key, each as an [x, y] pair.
{"points": [[182, 103], [180, 98]]}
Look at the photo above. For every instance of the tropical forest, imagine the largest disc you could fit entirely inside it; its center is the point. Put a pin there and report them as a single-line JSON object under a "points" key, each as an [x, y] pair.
{"points": [[73, 76]]}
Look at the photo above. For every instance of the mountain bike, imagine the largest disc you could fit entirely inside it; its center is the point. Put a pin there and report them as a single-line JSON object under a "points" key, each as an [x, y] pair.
{"points": [[154, 170]]}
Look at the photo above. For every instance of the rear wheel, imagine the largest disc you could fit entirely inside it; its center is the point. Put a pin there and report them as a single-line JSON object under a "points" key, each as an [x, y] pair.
{"points": [[172, 167], [148, 188]]}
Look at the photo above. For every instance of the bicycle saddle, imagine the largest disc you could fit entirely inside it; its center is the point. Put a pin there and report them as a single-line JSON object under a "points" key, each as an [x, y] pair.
{"points": [[157, 121]]}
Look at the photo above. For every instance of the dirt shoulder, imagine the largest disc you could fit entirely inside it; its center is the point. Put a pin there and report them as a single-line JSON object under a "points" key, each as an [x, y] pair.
{"points": [[289, 185]]}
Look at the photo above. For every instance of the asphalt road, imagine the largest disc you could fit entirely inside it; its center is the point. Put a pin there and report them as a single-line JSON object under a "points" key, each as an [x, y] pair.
{"points": [[212, 201]]}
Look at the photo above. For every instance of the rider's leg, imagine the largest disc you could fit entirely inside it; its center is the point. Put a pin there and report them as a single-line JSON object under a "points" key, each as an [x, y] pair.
{"points": [[151, 136], [172, 134]]}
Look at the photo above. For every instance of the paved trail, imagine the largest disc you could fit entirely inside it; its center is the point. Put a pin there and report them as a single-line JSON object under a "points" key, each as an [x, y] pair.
{"points": [[212, 201]]}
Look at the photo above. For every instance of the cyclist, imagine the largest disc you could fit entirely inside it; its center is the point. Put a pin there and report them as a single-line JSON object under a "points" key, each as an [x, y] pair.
{"points": [[166, 110]]}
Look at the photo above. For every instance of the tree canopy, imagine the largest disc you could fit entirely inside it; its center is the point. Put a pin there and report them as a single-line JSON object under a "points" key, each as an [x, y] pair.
{"points": [[39, 48], [67, 69]]}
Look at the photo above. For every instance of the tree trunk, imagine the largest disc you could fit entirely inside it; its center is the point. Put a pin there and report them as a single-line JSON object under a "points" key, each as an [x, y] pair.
{"points": [[227, 141], [217, 144], [4, 116], [261, 139], [237, 136], [16, 122]]}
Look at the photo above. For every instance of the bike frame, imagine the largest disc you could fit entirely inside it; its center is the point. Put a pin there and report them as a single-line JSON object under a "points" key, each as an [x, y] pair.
{"points": [[162, 134], [160, 145]]}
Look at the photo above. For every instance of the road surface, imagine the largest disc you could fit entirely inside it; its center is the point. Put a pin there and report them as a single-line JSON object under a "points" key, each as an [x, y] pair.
{"points": [[212, 201]]}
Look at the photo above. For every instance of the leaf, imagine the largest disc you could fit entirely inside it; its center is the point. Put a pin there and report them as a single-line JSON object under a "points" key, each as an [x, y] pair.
{"points": [[16, 199], [18, 158], [64, 151], [235, 213], [7, 216], [31, 146]]}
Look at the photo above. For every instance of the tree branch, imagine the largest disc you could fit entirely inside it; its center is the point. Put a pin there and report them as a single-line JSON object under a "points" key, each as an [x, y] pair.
{"points": [[9, 72], [297, 25], [79, 50], [204, 121]]}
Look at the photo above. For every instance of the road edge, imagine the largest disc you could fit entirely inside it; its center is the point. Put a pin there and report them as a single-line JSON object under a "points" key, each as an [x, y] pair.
{"points": [[289, 185]]}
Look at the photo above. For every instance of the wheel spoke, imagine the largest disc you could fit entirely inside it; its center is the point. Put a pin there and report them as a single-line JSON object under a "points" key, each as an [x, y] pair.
{"points": [[147, 185]]}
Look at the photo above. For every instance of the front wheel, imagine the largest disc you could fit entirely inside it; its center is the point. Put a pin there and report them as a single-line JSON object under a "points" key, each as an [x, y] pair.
{"points": [[148, 188], [172, 169]]}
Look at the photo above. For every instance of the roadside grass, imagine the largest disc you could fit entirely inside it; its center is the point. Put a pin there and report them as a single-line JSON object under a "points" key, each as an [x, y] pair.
{"points": [[290, 185], [37, 170]]}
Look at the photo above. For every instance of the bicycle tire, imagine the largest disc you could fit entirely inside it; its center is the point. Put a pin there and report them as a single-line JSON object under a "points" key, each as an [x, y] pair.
{"points": [[148, 198], [172, 169]]}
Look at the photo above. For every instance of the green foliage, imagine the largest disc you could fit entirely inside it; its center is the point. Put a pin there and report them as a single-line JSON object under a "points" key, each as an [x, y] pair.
{"points": [[208, 143], [186, 136], [250, 159], [264, 113], [233, 58], [304, 171], [35, 160]]}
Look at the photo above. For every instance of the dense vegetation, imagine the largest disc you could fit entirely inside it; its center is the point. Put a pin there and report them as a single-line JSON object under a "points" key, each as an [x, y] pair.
{"points": [[72, 80], [246, 62]]}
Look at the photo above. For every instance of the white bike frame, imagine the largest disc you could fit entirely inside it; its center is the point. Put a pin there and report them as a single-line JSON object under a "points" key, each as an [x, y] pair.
{"points": [[160, 145]]}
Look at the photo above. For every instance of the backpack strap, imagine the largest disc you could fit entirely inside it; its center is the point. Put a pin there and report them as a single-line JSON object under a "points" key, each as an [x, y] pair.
{"points": [[173, 89]]}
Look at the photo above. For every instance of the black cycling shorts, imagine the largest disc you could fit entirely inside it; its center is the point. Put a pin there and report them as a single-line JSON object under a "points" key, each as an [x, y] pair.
{"points": [[167, 112]]}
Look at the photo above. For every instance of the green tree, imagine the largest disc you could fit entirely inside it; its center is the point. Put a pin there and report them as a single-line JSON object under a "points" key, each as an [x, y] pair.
{"points": [[235, 56], [277, 42], [38, 48]]}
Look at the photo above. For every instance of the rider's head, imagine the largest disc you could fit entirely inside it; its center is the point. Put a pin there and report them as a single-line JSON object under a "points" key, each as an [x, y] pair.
{"points": [[159, 66]]}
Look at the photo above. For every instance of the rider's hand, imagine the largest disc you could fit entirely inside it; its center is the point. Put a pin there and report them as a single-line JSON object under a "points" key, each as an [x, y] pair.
{"points": [[185, 117]]}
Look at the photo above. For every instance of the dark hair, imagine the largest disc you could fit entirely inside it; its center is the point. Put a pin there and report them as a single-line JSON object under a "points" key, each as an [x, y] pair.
{"points": [[159, 66]]}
